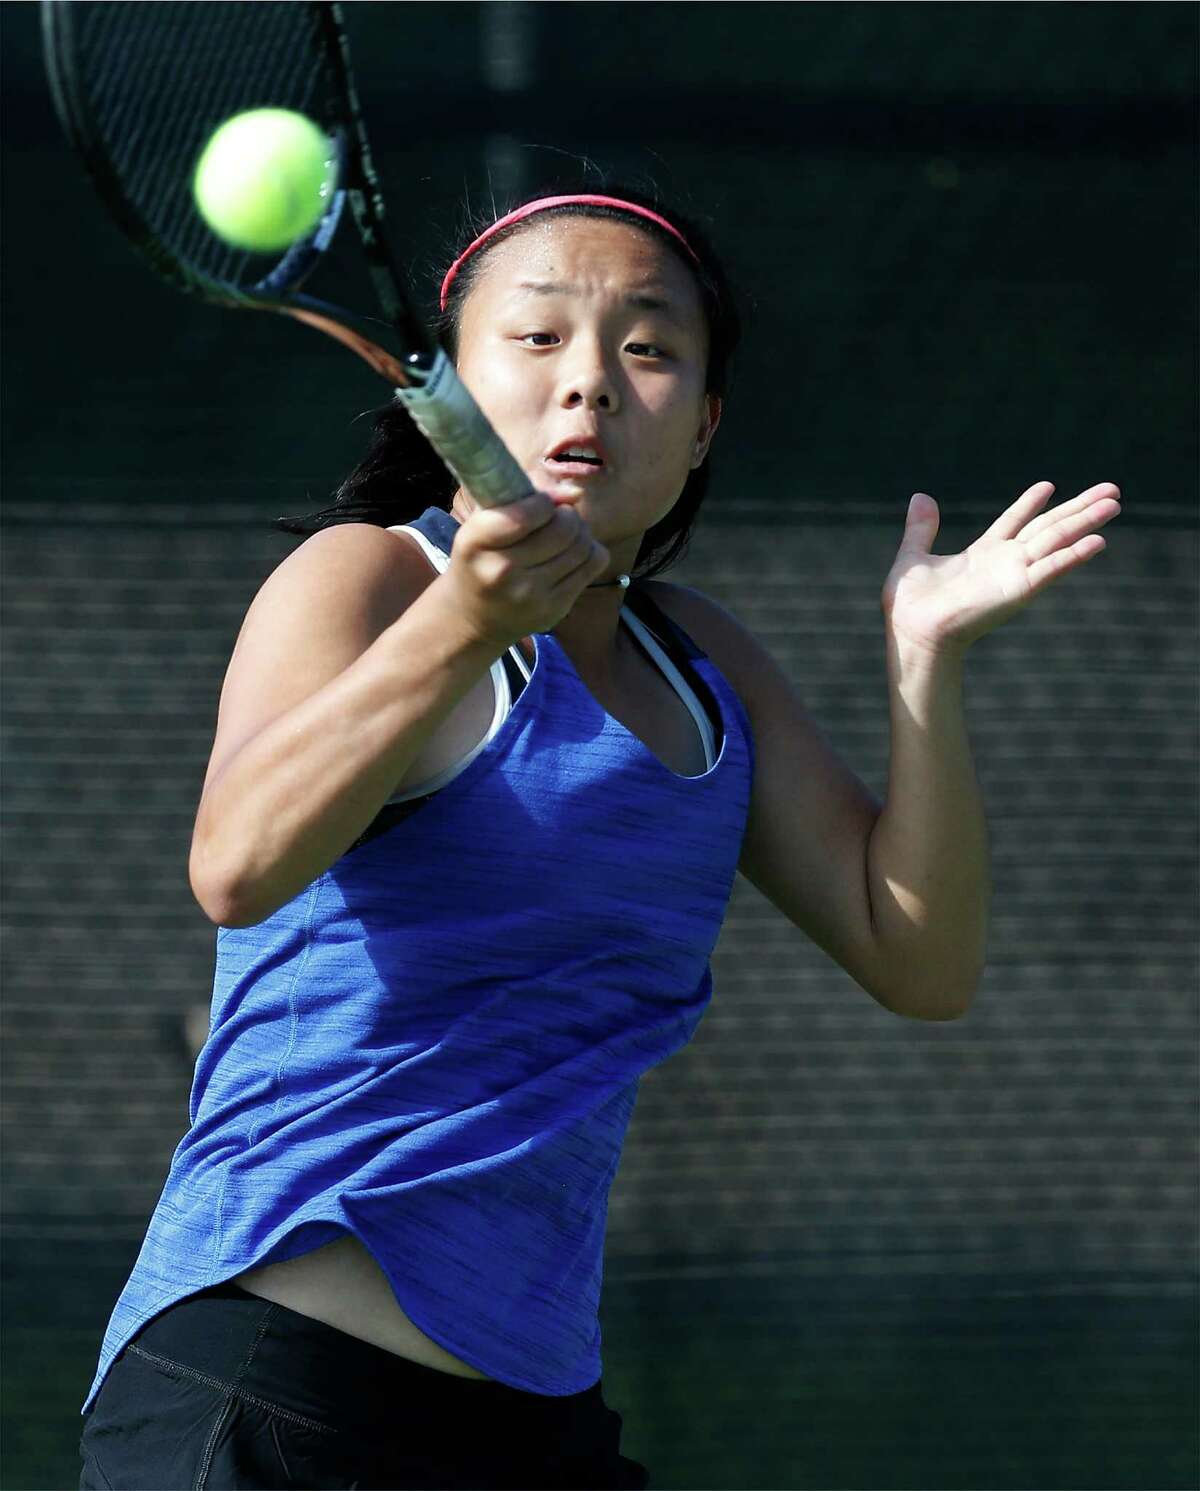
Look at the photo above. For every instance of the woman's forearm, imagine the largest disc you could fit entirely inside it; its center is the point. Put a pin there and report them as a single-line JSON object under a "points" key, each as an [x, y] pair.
{"points": [[928, 853]]}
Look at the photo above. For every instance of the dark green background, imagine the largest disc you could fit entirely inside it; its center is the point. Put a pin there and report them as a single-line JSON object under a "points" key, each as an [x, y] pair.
{"points": [[845, 1249]]}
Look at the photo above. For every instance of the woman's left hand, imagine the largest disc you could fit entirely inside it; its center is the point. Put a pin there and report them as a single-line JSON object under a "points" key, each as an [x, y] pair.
{"points": [[944, 602]]}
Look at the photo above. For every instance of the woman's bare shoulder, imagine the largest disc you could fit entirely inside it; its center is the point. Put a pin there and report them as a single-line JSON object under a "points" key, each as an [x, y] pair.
{"points": [[366, 563]]}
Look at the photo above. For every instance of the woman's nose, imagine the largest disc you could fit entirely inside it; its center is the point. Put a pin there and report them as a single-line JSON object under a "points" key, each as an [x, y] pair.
{"points": [[591, 387]]}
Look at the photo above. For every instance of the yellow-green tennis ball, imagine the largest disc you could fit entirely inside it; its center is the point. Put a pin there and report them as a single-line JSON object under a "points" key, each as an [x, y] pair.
{"points": [[264, 179]]}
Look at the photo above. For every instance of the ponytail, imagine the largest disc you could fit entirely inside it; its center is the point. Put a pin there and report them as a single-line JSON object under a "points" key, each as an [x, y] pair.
{"points": [[398, 478]]}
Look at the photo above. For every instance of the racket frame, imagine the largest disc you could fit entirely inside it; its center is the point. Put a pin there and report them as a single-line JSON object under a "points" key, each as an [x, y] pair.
{"points": [[423, 378]]}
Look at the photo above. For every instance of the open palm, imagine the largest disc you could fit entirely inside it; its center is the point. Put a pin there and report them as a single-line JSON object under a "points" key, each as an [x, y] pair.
{"points": [[947, 601]]}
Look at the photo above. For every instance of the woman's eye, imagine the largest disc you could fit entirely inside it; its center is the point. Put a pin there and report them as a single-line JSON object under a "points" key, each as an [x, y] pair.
{"points": [[548, 338]]}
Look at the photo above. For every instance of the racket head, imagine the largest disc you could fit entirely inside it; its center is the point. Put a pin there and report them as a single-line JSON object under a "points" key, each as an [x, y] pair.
{"points": [[139, 90]]}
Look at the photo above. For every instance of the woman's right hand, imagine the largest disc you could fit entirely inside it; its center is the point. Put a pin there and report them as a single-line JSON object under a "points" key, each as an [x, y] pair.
{"points": [[519, 568]]}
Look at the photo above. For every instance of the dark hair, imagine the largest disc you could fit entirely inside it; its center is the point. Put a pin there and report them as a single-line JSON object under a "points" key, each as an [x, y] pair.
{"points": [[401, 475]]}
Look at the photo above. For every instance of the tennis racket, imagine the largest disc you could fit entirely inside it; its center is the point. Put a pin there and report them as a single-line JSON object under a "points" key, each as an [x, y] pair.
{"points": [[139, 89]]}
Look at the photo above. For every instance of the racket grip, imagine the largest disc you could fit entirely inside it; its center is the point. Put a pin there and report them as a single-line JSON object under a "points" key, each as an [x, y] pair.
{"points": [[458, 430]]}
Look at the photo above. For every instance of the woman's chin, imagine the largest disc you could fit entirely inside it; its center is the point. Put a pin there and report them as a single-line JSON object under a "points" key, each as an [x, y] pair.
{"points": [[564, 485]]}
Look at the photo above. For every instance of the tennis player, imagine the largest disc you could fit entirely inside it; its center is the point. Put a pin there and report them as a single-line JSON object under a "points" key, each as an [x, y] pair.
{"points": [[478, 793]]}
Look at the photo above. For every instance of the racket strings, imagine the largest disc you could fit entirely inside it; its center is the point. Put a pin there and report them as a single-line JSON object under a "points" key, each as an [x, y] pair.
{"points": [[160, 78]]}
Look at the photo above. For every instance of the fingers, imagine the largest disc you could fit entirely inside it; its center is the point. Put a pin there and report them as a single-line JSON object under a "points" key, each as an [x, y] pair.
{"points": [[1019, 521], [1060, 560], [1070, 520], [519, 568], [514, 521], [541, 526], [562, 547], [585, 563], [1013, 519]]}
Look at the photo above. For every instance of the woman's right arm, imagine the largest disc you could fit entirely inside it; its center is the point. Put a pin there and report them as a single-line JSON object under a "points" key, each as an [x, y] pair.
{"points": [[350, 657], [348, 660]]}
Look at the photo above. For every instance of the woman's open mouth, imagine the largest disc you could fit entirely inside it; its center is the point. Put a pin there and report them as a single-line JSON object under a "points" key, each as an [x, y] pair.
{"points": [[575, 465], [579, 455]]}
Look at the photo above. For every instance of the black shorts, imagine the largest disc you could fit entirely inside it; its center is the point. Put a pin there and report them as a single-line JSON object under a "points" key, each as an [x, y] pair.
{"points": [[227, 1390]]}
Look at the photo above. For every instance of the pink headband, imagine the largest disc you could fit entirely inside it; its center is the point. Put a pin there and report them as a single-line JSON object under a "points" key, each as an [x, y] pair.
{"points": [[539, 206]]}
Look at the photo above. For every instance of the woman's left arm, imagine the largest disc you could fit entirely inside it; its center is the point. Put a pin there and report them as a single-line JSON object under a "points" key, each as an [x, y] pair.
{"points": [[895, 892], [927, 856]]}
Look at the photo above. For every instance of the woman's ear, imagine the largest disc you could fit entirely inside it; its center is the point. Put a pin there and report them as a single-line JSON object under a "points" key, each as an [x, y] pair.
{"points": [[708, 428]]}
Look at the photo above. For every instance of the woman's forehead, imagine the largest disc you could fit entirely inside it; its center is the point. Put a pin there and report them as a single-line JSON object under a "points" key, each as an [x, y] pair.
{"points": [[583, 253]]}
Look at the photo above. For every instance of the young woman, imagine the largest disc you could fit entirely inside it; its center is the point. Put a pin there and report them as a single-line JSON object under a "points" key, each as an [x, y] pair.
{"points": [[479, 790]]}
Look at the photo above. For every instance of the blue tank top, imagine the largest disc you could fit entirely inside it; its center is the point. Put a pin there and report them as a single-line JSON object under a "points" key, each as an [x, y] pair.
{"points": [[436, 1046]]}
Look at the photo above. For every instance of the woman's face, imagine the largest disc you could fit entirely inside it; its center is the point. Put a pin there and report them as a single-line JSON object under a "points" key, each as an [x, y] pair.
{"points": [[585, 328]]}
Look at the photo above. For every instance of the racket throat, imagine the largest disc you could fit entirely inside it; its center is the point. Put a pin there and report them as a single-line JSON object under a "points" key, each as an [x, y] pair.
{"points": [[377, 357]]}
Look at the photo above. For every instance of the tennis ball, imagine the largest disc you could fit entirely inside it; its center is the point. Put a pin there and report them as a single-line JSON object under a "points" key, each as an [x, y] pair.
{"points": [[264, 179]]}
